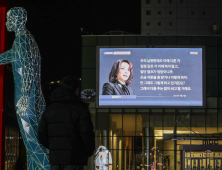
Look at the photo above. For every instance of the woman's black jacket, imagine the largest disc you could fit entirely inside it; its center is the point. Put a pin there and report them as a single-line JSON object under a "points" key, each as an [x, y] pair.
{"points": [[66, 129]]}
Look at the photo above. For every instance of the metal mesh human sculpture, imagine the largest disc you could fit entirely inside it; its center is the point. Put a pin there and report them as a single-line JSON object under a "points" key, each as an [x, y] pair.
{"points": [[29, 101]]}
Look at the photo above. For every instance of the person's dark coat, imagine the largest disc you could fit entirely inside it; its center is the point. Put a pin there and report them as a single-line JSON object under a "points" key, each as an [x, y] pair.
{"points": [[115, 89], [66, 129]]}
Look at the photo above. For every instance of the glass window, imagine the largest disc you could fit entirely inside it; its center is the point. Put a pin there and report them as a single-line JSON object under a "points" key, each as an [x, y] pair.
{"points": [[168, 122], [101, 138], [143, 129], [148, 12], [143, 110], [128, 142], [159, 159], [116, 110], [196, 142], [212, 82], [168, 159], [211, 102], [220, 121], [129, 111], [183, 121], [158, 144], [211, 40], [129, 124], [116, 158], [211, 56], [187, 154], [156, 120], [179, 160], [141, 123], [103, 110], [183, 142], [115, 126], [218, 155], [168, 144], [183, 40], [148, 1], [198, 122], [220, 56], [187, 163], [219, 102], [211, 121], [220, 81], [156, 40], [129, 159]]}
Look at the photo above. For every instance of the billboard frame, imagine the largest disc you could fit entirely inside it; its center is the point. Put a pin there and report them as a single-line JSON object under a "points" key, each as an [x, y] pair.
{"points": [[149, 106]]}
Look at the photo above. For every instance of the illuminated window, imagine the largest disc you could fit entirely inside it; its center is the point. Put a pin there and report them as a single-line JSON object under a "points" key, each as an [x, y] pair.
{"points": [[148, 1], [148, 12]]}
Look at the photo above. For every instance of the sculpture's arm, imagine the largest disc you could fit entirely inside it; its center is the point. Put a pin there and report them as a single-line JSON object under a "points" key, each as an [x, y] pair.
{"points": [[25, 53], [6, 57]]}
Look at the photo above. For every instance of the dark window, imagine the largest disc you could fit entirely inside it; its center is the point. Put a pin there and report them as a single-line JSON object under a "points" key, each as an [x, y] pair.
{"points": [[170, 12], [192, 13], [170, 1], [159, 23], [170, 23], [203, 13], [148, 23], [148, 12], [159, 12], [181, 1], [159, 1], [148, 1]]}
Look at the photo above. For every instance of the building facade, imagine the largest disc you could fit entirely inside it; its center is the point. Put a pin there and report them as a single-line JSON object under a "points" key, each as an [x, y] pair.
{"points": [[159, 138], [180, 17]]}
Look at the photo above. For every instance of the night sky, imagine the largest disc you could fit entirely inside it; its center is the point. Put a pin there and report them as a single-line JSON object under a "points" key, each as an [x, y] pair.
{"points": [[56, 27]]}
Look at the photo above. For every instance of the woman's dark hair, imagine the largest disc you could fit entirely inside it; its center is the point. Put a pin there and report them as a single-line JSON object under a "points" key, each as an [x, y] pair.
{"points": [[115, 69], [70, 83]]}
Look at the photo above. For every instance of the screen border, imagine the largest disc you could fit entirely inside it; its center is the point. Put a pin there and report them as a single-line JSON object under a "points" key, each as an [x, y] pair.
{"points": [[152, 46]]}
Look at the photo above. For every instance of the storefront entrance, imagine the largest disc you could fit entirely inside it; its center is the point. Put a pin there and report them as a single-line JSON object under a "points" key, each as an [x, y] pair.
{"points": [[202, 161], [203, 164]]}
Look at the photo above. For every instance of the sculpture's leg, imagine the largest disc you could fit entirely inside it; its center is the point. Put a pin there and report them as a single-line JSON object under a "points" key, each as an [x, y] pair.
{"points": [[37, 155]]}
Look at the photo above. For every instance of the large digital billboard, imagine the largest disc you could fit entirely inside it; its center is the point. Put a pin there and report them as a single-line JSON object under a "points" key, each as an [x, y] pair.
{"points": [[151, 77]]}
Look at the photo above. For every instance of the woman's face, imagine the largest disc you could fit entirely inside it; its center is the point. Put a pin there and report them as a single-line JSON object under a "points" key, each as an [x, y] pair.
{"points": [[124, 72]]}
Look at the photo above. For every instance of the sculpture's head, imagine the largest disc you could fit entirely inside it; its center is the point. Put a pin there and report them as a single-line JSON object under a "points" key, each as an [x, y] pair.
{"points": [[16, 19]]}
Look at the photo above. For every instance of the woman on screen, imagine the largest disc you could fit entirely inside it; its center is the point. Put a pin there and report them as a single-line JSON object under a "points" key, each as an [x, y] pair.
{"points": [[120, 77]]}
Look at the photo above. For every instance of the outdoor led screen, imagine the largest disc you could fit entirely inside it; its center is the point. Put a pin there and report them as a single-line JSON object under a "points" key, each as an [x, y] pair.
{"points": [[151, 77]]}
